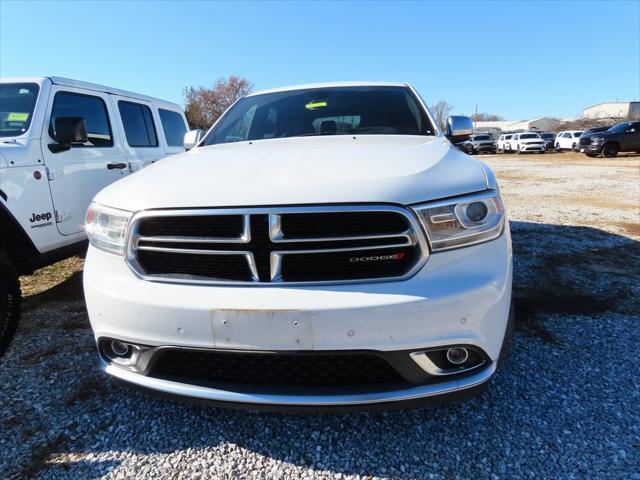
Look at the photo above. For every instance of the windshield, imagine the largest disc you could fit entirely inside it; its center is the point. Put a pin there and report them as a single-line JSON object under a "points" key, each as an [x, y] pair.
{"points": [[621, 127], [323, 111], [529, 135], [548, 135], [16, 107], [482, 137]]}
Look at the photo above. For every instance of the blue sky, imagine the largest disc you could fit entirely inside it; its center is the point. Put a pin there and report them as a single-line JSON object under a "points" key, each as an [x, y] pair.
{"points": [[515, 59]]}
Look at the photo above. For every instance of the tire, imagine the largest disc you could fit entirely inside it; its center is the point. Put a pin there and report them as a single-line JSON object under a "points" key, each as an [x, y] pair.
{"points": [[574, 148], [610, 150], [9, 302], [557, 147]]}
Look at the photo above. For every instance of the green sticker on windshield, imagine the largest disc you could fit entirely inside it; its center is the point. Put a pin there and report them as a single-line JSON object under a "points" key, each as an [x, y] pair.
{"points": [[17, 117], [313, 105]]}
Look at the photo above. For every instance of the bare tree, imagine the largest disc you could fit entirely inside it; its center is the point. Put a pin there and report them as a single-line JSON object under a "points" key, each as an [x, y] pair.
{"points": [[486, 117], [441, 111], [203, 106]]}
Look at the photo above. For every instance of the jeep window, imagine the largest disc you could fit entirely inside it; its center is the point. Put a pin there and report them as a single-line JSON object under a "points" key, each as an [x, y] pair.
{"points": [[577, 134], [529, 135], [92, 109], [138, 124], [17, 101], [621, 127], [173, 127], [323, 111]]}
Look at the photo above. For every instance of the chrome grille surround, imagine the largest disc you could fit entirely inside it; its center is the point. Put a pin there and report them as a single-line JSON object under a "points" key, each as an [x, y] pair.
{"points": [[412, 237]]}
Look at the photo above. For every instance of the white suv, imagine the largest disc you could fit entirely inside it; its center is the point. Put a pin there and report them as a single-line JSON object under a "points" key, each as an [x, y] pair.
{"points": [[62, 141], [568, 140], [504, 142], [527, 142], [323, 246]]}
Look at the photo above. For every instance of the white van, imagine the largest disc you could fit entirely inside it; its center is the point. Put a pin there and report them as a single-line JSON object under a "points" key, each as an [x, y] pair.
{"points": [[62, 141]]}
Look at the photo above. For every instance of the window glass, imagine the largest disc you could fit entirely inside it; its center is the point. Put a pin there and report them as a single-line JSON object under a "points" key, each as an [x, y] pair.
{"points": [[529, 135], [138, 124], [16, 107], [566, 135], [577, 134], [173, 127], [92, 109], [323, 111]]}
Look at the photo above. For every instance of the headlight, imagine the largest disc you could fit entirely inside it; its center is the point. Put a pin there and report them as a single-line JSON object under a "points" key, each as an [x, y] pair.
{"points": [[597, 139], [462, 221], [106, 228]]}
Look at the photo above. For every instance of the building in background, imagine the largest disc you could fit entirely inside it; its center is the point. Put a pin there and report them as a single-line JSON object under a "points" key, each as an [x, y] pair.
{"points": [[612, 110], [540, 124]]}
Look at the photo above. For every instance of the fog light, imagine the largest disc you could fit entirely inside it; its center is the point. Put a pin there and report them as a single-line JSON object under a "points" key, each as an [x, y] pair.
{"points": [[120, 349], [457, 355]]}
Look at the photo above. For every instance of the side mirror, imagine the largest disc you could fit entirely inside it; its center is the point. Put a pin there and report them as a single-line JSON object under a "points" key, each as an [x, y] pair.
{"points": [[68, 130], [459, 128], [192, 138]]}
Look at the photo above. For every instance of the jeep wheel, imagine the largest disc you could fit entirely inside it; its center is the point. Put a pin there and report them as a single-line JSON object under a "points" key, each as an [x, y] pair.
{"points": [[9, 302], [610, 150], [574, 147]]}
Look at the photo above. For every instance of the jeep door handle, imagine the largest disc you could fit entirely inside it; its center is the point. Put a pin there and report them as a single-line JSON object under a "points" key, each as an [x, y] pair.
{"points": [[116, 166]]}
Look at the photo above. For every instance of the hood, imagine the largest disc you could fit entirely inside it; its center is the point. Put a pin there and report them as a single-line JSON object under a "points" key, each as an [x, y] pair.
{"points": [[302, 170]]}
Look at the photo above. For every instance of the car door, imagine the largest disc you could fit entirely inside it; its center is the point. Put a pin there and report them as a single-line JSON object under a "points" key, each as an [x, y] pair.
{"points": [[631, 138], [565, 142], [77, 173], [139, 131]]}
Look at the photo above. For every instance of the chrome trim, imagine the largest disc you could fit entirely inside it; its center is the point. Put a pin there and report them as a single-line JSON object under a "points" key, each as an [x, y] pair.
{"points": [[414, 236], [361, 398], [431, 368]]}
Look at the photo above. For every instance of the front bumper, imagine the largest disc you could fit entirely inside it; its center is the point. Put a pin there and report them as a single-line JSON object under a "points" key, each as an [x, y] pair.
{"points": [[591, 148], [460, 297], [532, 148]]}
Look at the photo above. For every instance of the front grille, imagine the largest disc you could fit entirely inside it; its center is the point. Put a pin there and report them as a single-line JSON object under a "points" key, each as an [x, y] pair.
{"points": [[266, 246], [277, 369], [584, 141]]}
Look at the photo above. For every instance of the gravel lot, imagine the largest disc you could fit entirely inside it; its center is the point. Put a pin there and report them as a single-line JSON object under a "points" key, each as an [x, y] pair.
{"points": [[565, 405]]}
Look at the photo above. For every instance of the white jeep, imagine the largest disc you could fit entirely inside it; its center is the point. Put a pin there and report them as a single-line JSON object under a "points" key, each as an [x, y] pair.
{"points": [[323, 246], [62, 141]]}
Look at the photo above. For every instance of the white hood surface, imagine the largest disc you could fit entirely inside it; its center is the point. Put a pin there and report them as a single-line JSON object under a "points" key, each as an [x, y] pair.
{"points": [[302, 170]]}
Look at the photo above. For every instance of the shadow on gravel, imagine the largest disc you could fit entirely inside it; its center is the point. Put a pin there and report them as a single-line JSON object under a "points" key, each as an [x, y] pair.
{"points": [[70, 421], [70, 289]]}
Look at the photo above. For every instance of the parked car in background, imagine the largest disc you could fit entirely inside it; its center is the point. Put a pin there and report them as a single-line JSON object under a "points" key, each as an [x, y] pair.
{"points": [[568, 140], [279, 284], [61, 141], [527, 142], [623, 137], [549, 140], [479, 143], [504, 143]]}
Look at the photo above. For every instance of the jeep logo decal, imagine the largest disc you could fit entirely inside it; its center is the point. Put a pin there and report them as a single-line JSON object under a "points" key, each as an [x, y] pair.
{"points": [[40, 217]]}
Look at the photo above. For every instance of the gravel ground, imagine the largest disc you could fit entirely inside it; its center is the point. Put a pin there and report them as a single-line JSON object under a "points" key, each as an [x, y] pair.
{"points": [[565, 405]]}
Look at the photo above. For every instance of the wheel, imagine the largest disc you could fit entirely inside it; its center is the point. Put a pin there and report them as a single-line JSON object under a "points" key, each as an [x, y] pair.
{"points": [[610, 150], [557, 147], [574, 147], [9, 302]]}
